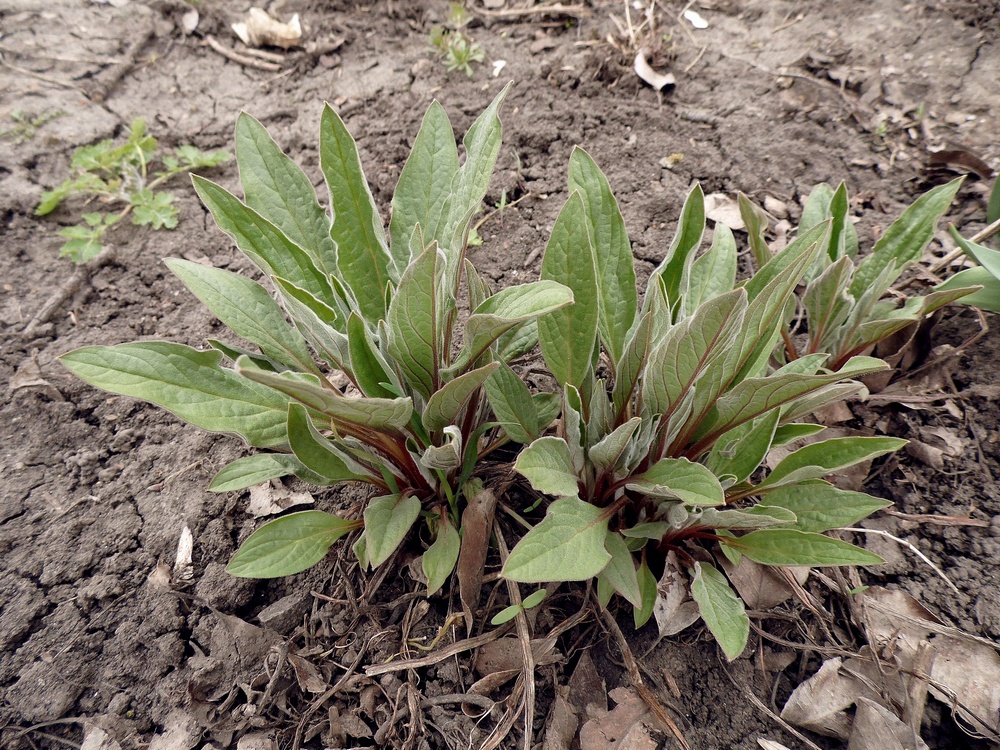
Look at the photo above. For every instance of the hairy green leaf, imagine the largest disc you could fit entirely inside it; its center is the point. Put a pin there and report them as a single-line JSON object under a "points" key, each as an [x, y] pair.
{"points": [[741, 450], [816, 460], [987, 298], [792, 547], [387, 521], [188, 383], [647, 587], [568, 336], [620, 571], [251, 470], [446, 404], [512, 403], [721, 609], [288, 545], [547, 464], [440, 558], [680, 479], [690, 229], [568, 545], [416, 340], [315, 452], [714, 273], [613, 252], [819, 506], [604, 455]]}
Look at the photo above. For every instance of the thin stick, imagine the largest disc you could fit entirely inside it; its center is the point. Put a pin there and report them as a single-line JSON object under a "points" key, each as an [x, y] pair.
{"points": [[528, 663], [980, 236], [236, 57], [314, 706], [939, 520], [66, 290], [445, 653], [652, 702], [99, 89], [912, 548], [39, 76], [577, 11]]}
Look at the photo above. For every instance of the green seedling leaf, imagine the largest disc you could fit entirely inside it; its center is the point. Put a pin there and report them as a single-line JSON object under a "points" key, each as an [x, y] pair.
{"points": [[424, 189], [817, 460], [907, 237], [317, 453], [245, 307], [651, 530], [787, 433], [569, 335], [189, 383], [620, 572], [440, 558], [740, 451], [647, 585], [792, 547], [415, 338], [377, 413], [371, 371], [83, 242], [827, 302], [513, 406], [606, 453], [153, 209], [288, 545], [387, 521], [262, 242], [755, 221], [362, 255], [993, 209], [445, 405], [748, 519], [252, 470], [721, 609], [690, 229], [987, 257], [276, 188], [509, 613], [568, 545], [447, 456], [819, 506], [613, 252], [632, 364], [987, 298], [714, 273], [680, 479], [320, 324], [548, 465]]}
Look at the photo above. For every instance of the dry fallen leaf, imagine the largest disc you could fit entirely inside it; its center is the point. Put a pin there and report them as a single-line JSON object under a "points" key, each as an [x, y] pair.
{"points": [[673, 609], [645, 71], [307, 675], [261, 30], [878, 728], [562, 723], [622, 728], [820, 703], [268, 499], [759, 586], [724, 209], [968, 673], [477, 521], [183, 568]]}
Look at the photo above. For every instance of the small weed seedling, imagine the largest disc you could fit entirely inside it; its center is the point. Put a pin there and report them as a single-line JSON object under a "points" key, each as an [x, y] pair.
{"points": [[26, 124], [381, 310], [457, 49], [125, 178], [669, 409]]}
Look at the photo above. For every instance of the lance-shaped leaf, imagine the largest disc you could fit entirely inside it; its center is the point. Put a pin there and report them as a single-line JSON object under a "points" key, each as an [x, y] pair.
{"points": [[907, 237], [508, 308], [688, 348], [755, 396], [371, 371], [690, 229], [415, 338], [482, 144], [721, 609], [792, 547], [605, 454], [740, 451], [387, 521], [188, 383], [647, 585], [548, 465], [376, 413], [513, 406], [288, 545], [680, 479], [245, 307], [424, 186], [755, 221], [251, 470], [613, 252], [755, 517], [819, 506], [316, 452], [632, 364], [620, 571], [279, 190], [714, 273], [268, 247], [446, 404], [362, 256], [827, 302], [568, 545], [568, 336], [817, 460], [439, 560]]}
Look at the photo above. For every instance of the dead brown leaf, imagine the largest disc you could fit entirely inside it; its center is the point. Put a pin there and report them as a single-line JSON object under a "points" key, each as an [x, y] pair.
{"points": [[878, 728], [477, 520], [622, 728]]}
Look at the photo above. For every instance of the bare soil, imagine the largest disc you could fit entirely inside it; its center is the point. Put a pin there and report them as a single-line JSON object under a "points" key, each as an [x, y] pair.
{"points": [[772, 98]]}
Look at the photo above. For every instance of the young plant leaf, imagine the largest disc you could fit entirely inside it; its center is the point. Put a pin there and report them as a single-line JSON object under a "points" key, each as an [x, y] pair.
{"points": [[613, 252], [792, 547], [567, 545], [252, 470], [742, 450], [445, 404], [714, 273], [288, 545], [817, 460], [548, 465], [819, 506], [245, 306], [568, 336], [647, 587], [620, 571], [439, 560], [512, 404], [690, 230], [605, 454], [680, 479], [424, 187], [371, 371], [189, 383], [362, 255], [387, 521], [278, 189], [317, 453], [721, 609], [987, 298]]}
